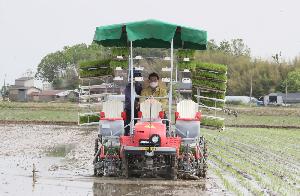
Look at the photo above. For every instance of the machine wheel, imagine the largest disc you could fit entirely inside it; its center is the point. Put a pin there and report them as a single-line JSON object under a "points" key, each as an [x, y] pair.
{"points": [[173, 168], [203, 162], [125, 166], [97, 171], [96, 145]]}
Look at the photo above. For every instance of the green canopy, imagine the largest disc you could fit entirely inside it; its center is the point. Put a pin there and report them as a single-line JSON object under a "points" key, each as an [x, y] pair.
{"points": [[151, 34]]}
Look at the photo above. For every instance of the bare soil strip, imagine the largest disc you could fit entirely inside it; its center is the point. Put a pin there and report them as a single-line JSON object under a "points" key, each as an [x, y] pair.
{"points": [[38, 122], [265, 126], [69, 123]]}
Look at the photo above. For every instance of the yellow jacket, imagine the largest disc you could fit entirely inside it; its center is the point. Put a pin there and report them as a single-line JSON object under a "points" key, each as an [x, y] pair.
{"points": [[158, 92]]}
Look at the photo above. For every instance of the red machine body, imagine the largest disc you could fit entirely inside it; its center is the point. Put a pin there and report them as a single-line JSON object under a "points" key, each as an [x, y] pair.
{"points": [[144, 131]]}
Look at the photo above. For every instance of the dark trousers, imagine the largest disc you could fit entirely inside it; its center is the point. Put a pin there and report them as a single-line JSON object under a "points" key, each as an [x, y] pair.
{"points": [[166, 121], [128, 120]]}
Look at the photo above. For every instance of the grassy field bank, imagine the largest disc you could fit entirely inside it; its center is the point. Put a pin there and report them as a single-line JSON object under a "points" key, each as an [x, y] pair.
{"points": [[14, 111], [279, 116]]}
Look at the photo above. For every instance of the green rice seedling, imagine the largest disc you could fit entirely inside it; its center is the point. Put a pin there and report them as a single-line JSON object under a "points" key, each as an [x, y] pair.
{"points": [[210, 84], [211, 103], [218, 68], [185, 53], [89, 118], [235, 145], [94, 64], [229, 186], [96, 72], [202, 75], [119, 63], [186, 65], [217, 95], [120, 51]]}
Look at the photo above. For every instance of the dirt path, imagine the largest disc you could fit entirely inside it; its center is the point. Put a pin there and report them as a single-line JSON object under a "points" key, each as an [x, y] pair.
{"points": [[62, 158]]}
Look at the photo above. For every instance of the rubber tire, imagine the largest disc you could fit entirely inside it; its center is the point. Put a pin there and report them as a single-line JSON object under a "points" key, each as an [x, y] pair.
{"points": [[173, 168]]}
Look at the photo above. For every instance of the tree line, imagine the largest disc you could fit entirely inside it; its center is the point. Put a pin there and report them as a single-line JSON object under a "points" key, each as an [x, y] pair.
{"points": [[60, 68]]}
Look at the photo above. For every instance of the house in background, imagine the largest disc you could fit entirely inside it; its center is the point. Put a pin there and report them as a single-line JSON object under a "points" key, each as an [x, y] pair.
{"points": [[282, 98], [240, 99], [23, 89], [55, 95]]}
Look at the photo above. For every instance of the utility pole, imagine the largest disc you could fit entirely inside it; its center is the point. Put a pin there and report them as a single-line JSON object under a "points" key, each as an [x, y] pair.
{"points": [[250, 89], [286, 89]]}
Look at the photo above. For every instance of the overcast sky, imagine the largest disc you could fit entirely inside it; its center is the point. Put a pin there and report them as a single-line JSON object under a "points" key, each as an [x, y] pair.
{"points": [[30, 29]]}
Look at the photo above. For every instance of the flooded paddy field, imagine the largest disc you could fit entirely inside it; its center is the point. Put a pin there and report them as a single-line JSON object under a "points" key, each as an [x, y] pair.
{"points": [[57, 160]]}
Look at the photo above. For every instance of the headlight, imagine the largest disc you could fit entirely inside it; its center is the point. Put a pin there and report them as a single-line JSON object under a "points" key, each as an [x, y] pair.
{"points": [[155, 139]]}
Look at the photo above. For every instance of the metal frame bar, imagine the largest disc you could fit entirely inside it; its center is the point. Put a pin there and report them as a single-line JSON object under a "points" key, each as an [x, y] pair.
{"points": [[171, 87], [131, 90], [209, 98], [210, 108], [149, 97]]}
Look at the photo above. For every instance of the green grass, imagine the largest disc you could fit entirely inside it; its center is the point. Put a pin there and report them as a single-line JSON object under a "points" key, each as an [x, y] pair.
{"points": [[244, 119], [38, 115], [38, 111], [39, 105]]}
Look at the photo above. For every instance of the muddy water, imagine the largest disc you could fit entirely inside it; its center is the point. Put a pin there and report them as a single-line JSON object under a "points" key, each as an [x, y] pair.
{"points": [[148, 187], [18, 178], [58, 162]]}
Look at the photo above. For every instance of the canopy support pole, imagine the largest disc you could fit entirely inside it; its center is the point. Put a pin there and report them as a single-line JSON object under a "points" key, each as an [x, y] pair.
{"points": [[171, 90], [132, 90], [176, 73]]}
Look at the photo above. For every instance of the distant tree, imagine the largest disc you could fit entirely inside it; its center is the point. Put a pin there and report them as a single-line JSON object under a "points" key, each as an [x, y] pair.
{"points": [[225, 47], [51, 66], [239, 48], [68, 79], [265, 75], [293, 81], [60, 67], [4, 92], [212, 45]]}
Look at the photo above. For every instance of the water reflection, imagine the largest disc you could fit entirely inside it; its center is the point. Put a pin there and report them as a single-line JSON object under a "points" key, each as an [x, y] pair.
{"points": [[147, 187]]}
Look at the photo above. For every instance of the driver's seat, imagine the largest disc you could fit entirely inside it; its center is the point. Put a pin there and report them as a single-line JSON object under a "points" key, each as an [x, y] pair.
{"points": [[150, 109], [111, 121], [187, 120]]}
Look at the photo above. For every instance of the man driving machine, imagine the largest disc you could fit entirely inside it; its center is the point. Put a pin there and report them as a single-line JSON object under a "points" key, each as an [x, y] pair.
{"points": [[155, 90]]}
